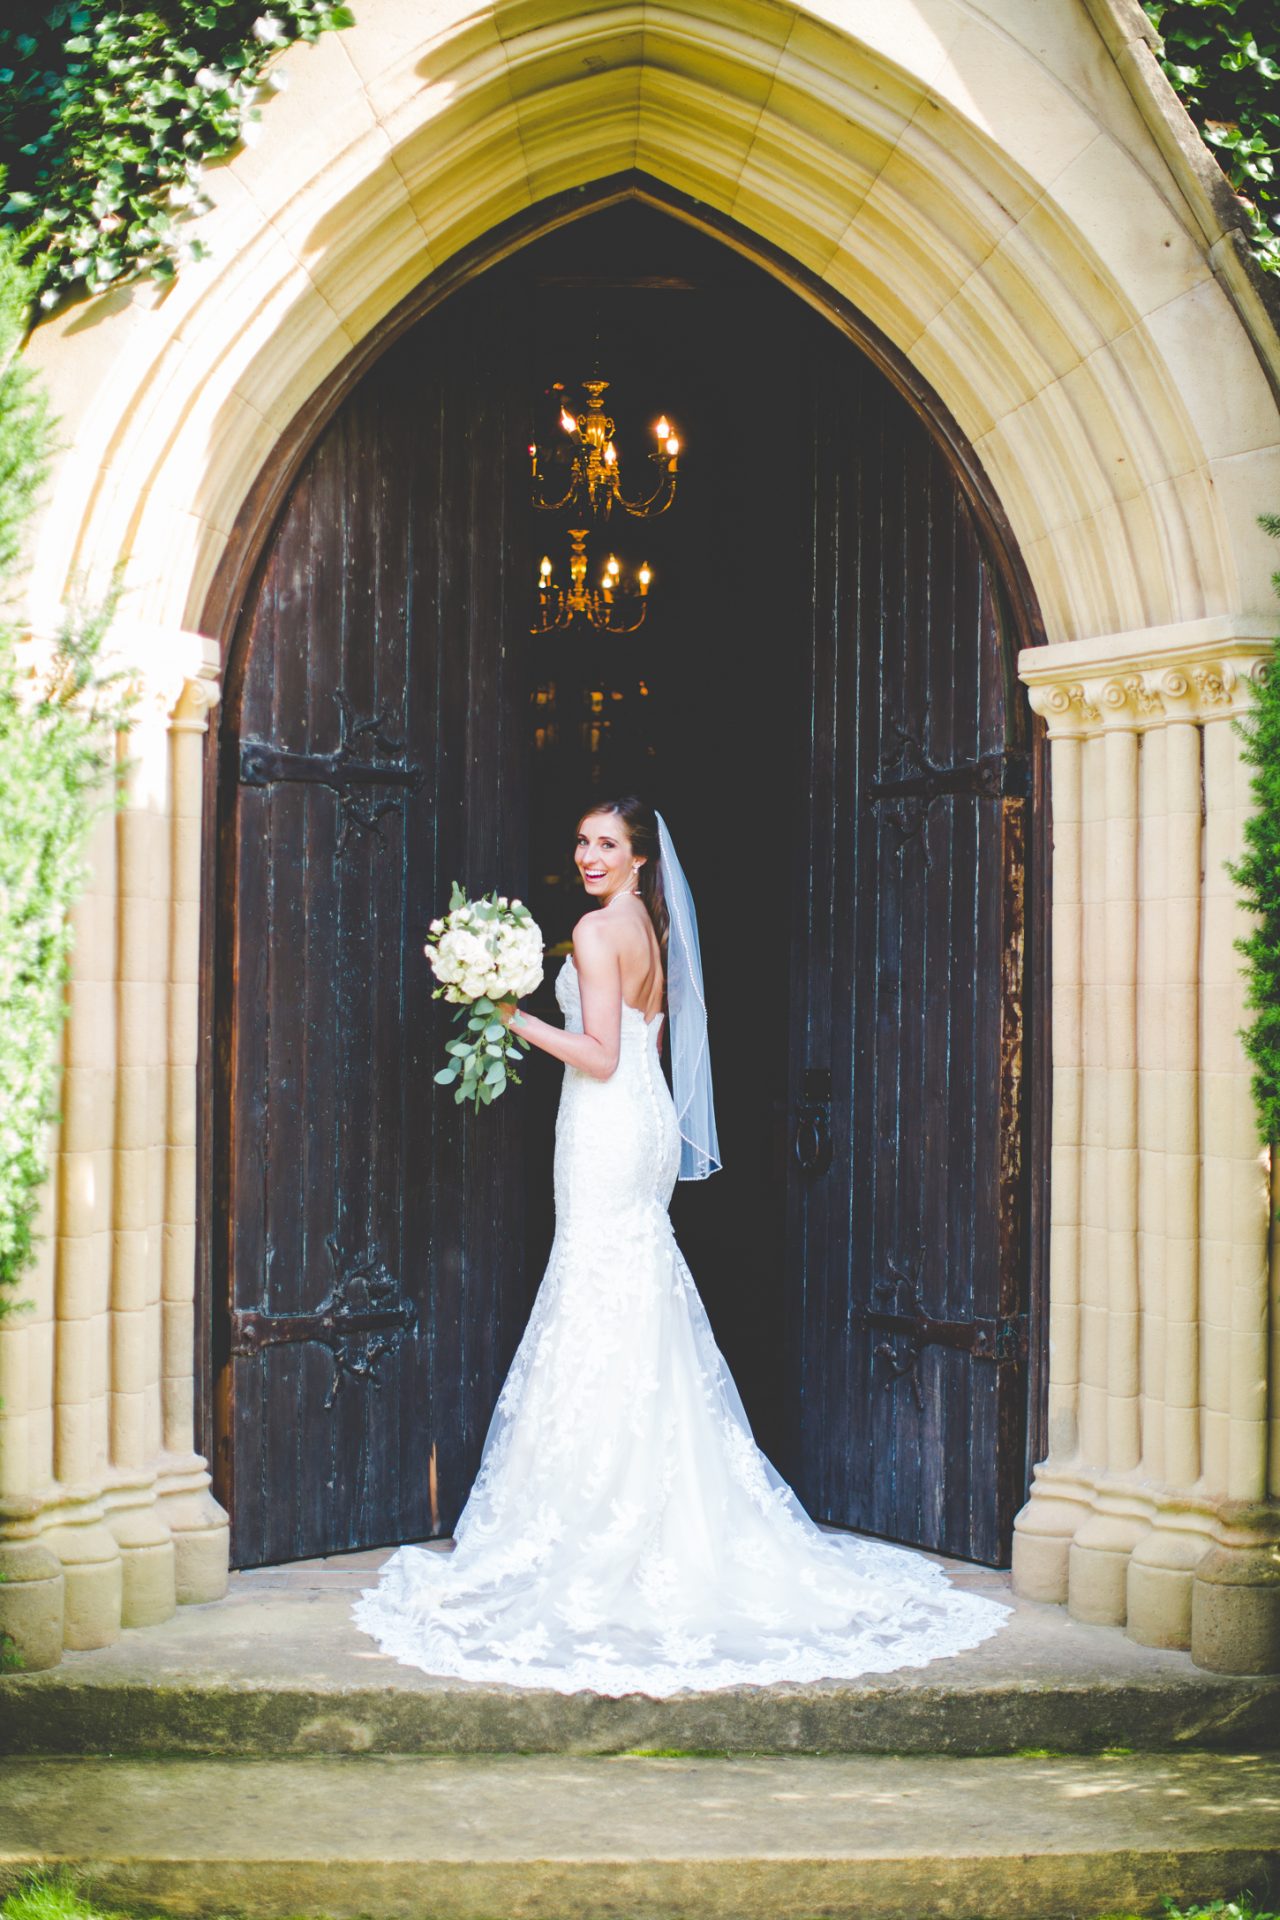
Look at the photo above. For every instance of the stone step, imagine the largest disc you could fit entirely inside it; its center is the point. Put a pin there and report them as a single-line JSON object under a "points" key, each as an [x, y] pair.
{"points": [[531, 1836], [998, 1714], [278, 1668]]}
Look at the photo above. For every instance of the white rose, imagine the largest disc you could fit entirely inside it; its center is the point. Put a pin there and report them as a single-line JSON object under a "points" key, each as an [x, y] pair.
{"points": [[471, 950]]}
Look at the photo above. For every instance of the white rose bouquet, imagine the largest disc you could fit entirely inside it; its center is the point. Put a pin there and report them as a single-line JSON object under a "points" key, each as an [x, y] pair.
{"points": [[481, 952]]}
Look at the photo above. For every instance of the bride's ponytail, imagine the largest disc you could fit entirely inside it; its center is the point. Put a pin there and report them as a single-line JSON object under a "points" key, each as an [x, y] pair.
{"points": [[641, 823]]}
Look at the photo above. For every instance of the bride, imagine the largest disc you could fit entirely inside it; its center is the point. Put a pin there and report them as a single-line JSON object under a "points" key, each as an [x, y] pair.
{"points": [[624, 1533]]}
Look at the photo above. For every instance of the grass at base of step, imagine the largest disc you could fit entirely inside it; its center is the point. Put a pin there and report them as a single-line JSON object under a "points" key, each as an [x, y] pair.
{"points": [[55, 1897]]}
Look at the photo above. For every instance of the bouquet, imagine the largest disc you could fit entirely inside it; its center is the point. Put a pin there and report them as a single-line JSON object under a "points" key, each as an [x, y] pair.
{"points": [[483, 951]]}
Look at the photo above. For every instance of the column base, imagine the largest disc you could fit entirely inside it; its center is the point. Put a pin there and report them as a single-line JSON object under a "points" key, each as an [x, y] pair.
{"points": [[32, 1606], [1098, 1564], [1042, 1536], [146, 1553], [1161, 1572], [199, 1527], [1235, 1604], [93, 1573]]}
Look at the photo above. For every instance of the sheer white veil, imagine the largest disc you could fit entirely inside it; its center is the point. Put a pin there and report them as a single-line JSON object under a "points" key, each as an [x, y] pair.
{"points": [[687, 1006]]}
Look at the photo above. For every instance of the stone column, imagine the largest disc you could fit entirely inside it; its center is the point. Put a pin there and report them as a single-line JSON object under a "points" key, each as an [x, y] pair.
{"points": [[1060, 1501], [1235, 1623], [198, 1525], [73, 1521], [1163, 1562], [146, 1548], [1152, 1056], [1099, 1555], [32, 1584], [1178, 1528], [106, 1518]]}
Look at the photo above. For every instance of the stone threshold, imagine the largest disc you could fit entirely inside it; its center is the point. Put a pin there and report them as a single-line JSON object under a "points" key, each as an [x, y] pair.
{"points": [[278, 1668]]}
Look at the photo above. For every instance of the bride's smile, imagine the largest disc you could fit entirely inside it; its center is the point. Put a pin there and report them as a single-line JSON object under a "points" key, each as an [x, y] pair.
{"points": [[605, 862]]}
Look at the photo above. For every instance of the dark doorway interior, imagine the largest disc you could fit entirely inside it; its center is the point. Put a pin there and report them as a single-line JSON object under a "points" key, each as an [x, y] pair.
{"points": [[699, 710], [817, 702]]}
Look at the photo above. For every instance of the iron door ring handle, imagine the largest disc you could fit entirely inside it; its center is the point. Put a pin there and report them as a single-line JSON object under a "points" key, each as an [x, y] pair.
{"points": [[814, 1150]]}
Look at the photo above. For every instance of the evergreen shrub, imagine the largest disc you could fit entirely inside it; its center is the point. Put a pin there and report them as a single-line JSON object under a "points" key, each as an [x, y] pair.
{"points": [[1257, 875], [58, 754]]}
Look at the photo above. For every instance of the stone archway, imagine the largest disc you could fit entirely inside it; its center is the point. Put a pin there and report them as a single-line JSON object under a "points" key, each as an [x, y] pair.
{"points": [[1020, 220]]}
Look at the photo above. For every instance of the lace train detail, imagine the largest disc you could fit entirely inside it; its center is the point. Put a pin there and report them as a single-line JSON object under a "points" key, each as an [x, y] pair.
{"points": [[625, 1534]]}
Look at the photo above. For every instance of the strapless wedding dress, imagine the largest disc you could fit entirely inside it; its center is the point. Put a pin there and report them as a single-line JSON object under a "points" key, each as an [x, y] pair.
{"points": [[625, 1534]]}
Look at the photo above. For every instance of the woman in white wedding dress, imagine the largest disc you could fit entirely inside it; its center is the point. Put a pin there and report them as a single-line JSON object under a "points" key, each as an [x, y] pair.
{"points": [[624, 1533]]}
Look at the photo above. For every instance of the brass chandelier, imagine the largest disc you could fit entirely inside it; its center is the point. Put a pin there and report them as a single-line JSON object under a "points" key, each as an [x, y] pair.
{"points": [[594, 485], [590, 488], [615, 606]]}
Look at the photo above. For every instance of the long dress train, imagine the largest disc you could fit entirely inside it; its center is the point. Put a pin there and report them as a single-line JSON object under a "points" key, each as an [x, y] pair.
{"points": [[625, 1534]]}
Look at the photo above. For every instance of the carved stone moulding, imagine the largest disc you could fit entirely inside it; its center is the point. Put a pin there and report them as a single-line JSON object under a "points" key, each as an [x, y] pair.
{"points": [[1157, 677]]}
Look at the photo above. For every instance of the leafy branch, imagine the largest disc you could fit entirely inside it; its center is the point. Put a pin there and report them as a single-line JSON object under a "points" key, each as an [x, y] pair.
{"points": [[109, 116], [1257, 875], [58, 733], [1222, 57]]}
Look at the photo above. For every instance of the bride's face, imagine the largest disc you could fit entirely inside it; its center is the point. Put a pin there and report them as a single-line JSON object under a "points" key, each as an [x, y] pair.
{"points": [[604, 857]]}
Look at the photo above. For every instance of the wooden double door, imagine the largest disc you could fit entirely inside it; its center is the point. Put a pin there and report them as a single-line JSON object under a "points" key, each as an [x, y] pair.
{"points": [[818, 701]]}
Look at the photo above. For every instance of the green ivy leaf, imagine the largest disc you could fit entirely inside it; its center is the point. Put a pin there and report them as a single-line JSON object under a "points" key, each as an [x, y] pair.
{"points": [[127, 94]]}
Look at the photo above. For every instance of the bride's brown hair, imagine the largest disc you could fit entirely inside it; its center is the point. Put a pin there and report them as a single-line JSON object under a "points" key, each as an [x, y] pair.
{"points": [[641, 823]]}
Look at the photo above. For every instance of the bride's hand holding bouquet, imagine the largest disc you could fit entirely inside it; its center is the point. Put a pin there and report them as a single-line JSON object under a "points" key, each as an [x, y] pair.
{"points": [[484, 952]]}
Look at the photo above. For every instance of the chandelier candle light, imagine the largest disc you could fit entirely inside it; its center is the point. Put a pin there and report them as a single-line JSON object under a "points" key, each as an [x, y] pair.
{"points": [[595, 469], [592, 490], [615, 606]]}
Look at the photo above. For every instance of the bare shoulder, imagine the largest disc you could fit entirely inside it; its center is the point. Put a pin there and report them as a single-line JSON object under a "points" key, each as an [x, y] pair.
{"points": [[595, 941], [592, 934]]}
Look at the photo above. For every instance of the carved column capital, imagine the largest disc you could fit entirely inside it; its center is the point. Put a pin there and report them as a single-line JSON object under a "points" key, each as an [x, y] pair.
{"points": [[1142, 680], [199, 694], [175, 671]]}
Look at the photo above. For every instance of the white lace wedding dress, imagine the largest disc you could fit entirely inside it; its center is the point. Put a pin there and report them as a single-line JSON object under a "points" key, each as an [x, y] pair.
{"points": [[624, 1533]]}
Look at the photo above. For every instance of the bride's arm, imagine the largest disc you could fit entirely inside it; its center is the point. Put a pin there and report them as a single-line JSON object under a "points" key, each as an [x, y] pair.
{"points": [[595, 1049]]}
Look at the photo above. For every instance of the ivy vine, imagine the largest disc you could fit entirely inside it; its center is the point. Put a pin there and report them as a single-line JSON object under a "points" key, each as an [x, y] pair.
{"points": [[1223, 58], [109, 116]]}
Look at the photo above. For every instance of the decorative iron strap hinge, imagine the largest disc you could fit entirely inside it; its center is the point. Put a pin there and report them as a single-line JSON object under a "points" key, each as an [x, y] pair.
{"points": [[995, 776], [1002, 1341], [364, 1317], [346, 774], [913, 783]]}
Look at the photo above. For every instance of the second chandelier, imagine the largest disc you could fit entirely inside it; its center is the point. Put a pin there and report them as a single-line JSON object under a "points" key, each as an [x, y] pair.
{"points": [[615, 606]]}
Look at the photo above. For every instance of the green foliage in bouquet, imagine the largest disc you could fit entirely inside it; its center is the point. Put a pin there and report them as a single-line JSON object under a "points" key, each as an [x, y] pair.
{"points": [[482, 1063], [1222, 57], [109, 114], [1258, 877], [483, 951]]}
